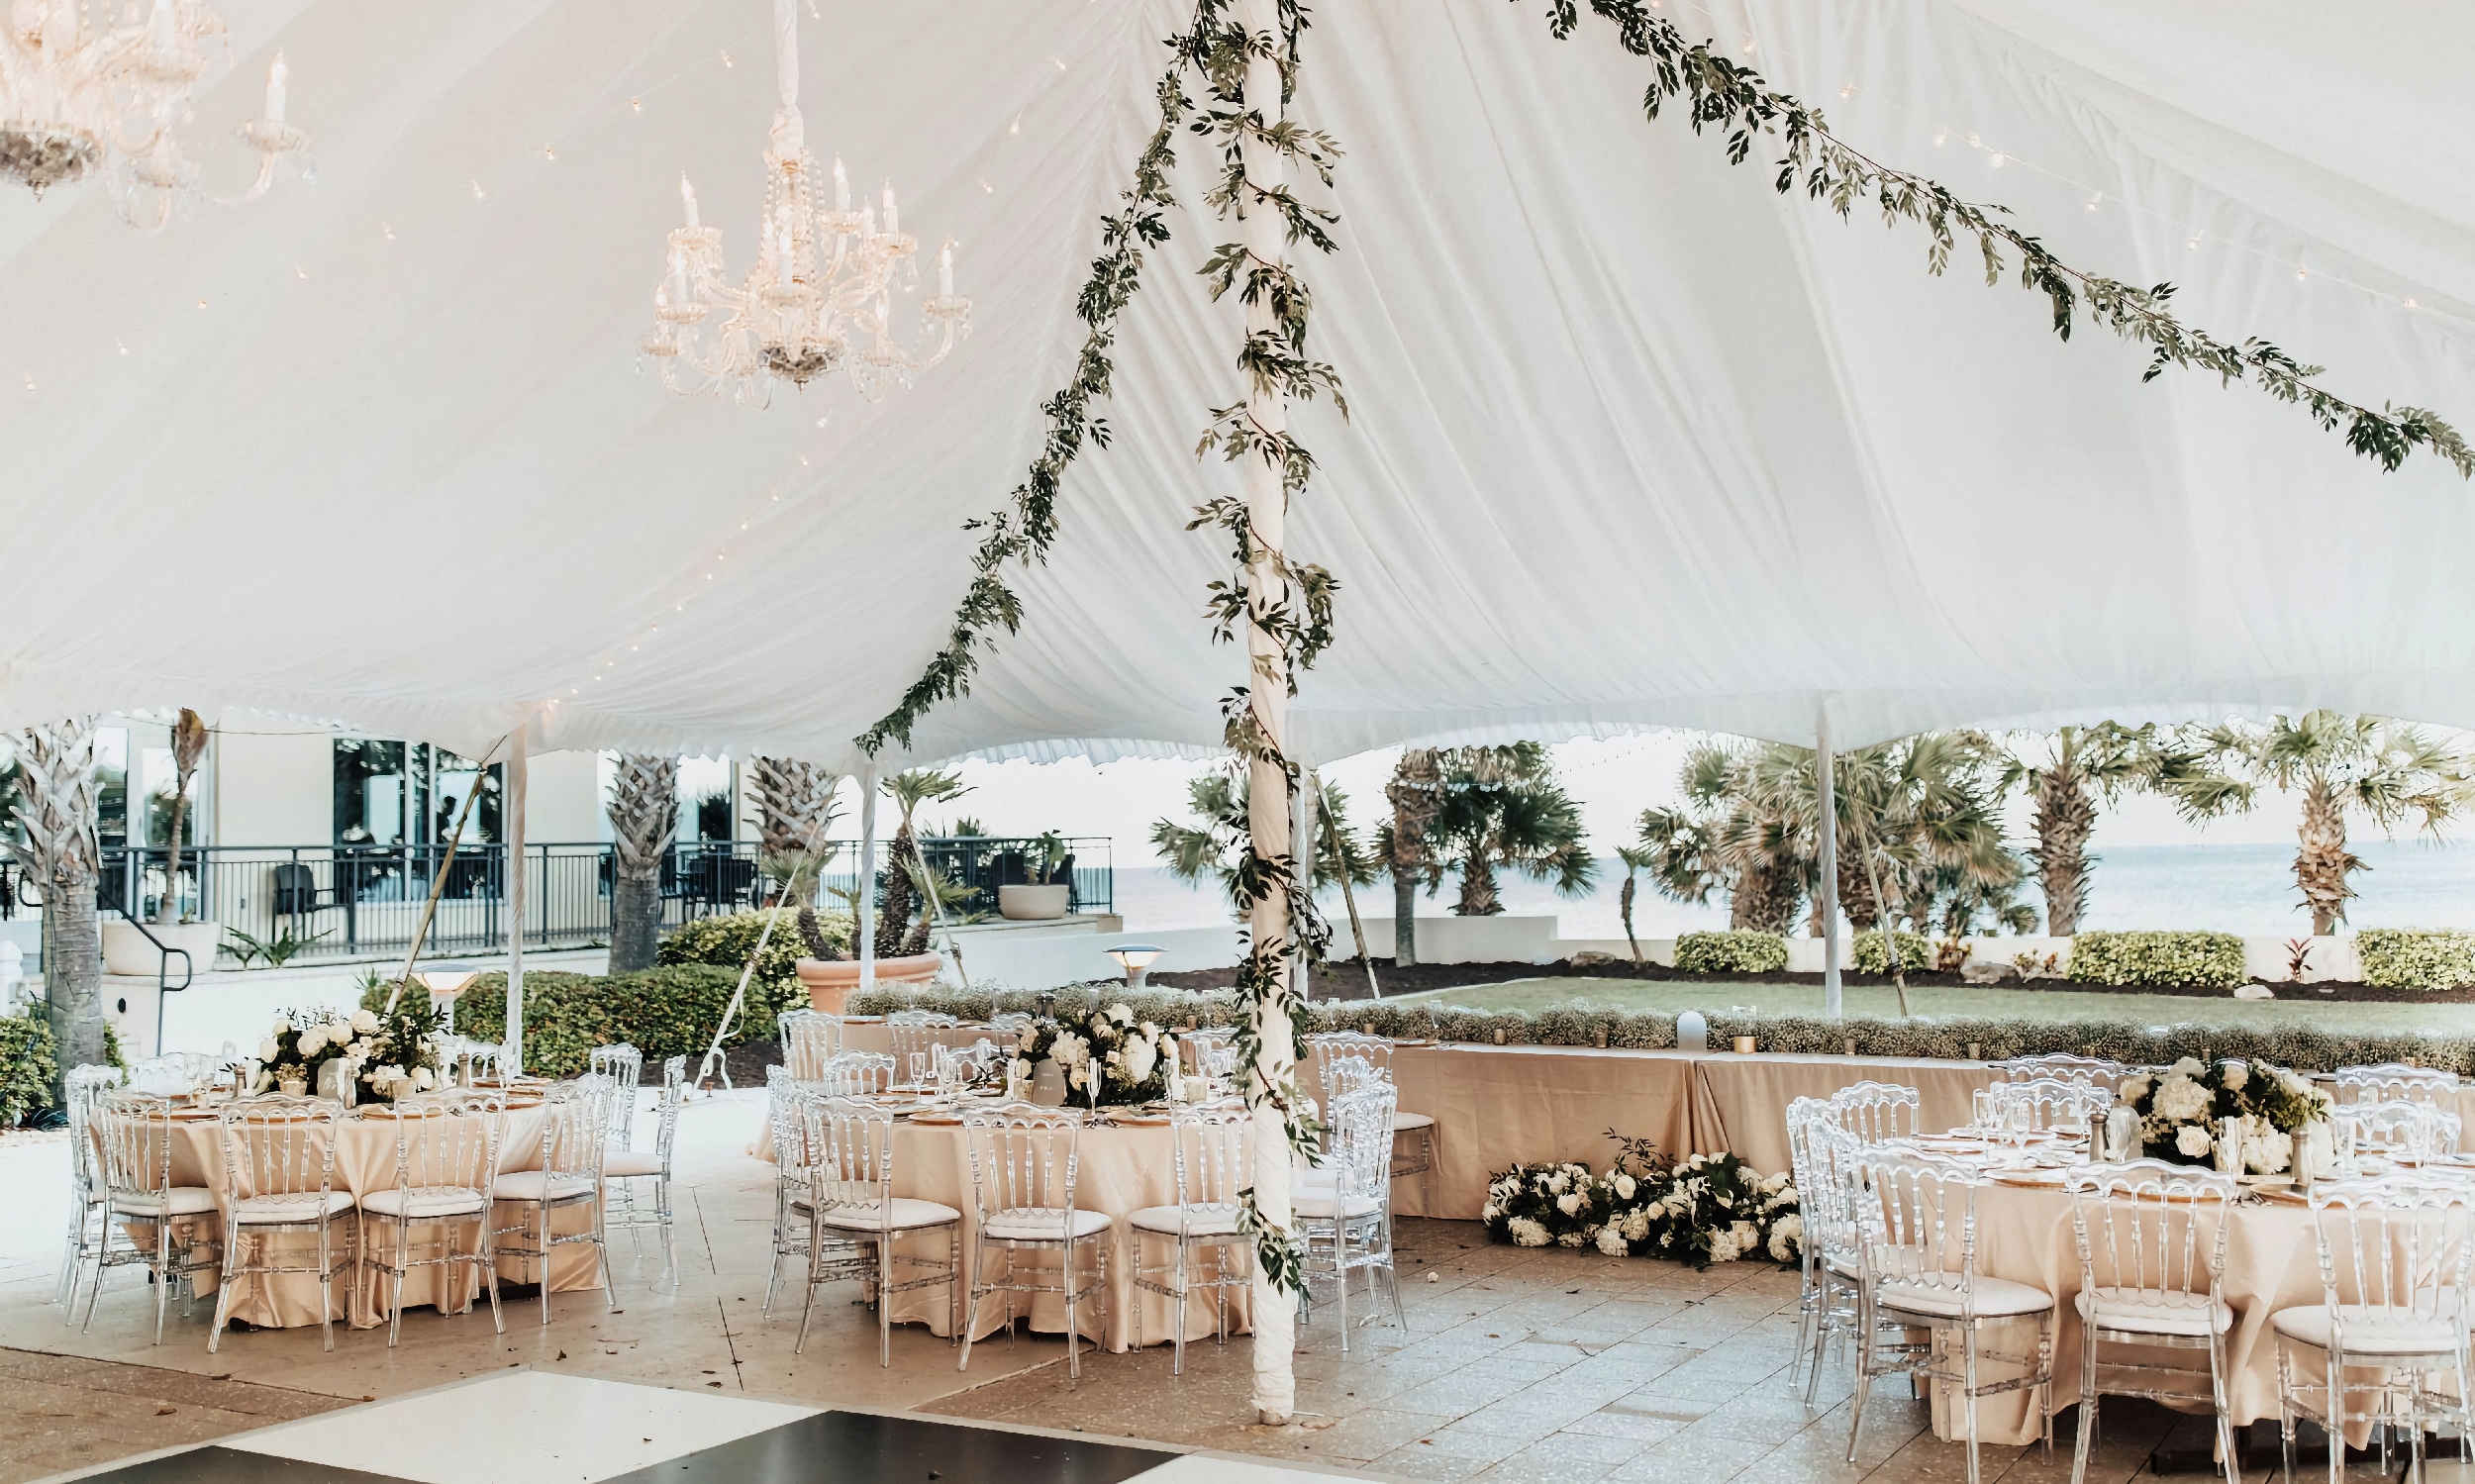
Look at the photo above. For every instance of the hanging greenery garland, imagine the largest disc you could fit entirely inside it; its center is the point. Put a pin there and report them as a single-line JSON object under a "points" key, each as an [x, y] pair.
{"points": [[1722, 94], [1023, 531]]}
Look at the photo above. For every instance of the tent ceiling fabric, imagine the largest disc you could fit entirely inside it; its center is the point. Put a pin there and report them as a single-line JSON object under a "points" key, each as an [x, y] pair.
{"points": [[1635, 442]]}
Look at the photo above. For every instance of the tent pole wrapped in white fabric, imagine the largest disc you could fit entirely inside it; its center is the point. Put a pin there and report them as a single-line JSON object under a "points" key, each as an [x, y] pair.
{"points": [[1635, 441]]}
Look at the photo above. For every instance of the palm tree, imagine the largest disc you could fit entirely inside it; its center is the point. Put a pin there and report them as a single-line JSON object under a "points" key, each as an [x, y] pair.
{"points": [[643, 818], [2068, 772], [56, 817], [1414, 792], [1636, 859], [902, 900], [1216, 840], [2384, 769], [1502, 808], [188, 749]]}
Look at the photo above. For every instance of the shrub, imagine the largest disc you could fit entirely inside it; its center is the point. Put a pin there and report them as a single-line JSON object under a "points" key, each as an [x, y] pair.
{"points": [[1731, 953], [2214, 958], [1866, 956], [29, 1066], [2417, 958], [670, 1011], [727, 941]]}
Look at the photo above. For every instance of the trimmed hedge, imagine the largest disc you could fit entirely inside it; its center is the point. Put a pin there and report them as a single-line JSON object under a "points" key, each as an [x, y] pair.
{"points": [[1868, 958], [1735, 951], [2214, 958], [729, 939], [669, 1011], [2417, 958], [29, 1065], [1579, 1024]]}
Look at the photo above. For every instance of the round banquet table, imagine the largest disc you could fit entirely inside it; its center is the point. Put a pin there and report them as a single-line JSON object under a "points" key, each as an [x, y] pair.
{"points": [[2024, 1233], [1119, 1170], [366, 1157]]}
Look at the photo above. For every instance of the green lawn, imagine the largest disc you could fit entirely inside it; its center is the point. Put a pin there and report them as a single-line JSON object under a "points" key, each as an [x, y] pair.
{"points": [[1882, 1002]]}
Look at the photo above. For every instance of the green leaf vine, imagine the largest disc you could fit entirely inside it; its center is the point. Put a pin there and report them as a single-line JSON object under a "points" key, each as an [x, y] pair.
{"points": [[1725, 96], [1023, 531]]}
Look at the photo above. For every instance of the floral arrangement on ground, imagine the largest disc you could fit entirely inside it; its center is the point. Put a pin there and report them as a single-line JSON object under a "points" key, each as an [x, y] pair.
{"points": [[387, 1054], [2175, 1114], [1711, 1208], [1108, 1057]]}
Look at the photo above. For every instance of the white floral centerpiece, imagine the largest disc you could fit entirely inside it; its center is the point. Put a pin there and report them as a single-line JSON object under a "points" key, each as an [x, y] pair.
{"points": [[1109, 1059], [2184, 1113], [384, 1056]]}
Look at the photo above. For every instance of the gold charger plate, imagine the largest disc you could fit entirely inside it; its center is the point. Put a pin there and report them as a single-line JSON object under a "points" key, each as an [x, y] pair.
{"points": [[938, 1119], [2027, 1179], [1141, 1120]]}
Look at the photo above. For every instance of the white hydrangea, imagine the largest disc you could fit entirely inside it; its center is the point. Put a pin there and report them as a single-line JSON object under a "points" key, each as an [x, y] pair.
{"points": [[1490, 1212], [1559, 1182], [1068, 1048], [365, 1021], [1570, 1239], [2180, 1100], [1786, 1236], [2235, 1074], [2266, 1151], [1527, 1233], [1636, 1223], [2132, 1089], [2189, 1066], [1612, 1239], [313, 1041]]}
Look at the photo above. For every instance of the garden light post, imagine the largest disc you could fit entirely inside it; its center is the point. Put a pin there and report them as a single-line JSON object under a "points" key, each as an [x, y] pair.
{"points": [[1136, 959], [1828, 887]]}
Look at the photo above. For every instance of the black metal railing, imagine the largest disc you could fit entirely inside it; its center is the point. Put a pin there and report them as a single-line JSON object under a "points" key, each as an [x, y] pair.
{"points": [[345, 901]]}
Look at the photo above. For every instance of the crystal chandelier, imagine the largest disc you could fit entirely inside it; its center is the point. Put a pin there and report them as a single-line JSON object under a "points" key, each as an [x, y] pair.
{"points": [[819, 296], [90, 86]]}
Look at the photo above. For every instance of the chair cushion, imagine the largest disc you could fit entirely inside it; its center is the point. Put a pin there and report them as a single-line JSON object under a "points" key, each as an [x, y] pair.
{"points": [[1322, 1202], [1201, 1221], [620, 1163], [528, 1185], [2149, 1311], [2369, 1333], [294, 1205], [428, 1203], [1042, 1226], [908, 1215], [184, 1199], [1402, 1123], [1996, 1298]]}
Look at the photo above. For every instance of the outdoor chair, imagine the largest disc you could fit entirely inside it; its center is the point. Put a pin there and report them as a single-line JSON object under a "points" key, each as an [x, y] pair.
{"points": [[2062, 1067], [1023, 1169], [1821, 1162], [2391, 1082], [1878, 1111], [915, 1033], [480, 1061], [176, 1075], [296, 892], [1213, 1155], [279, 1180], [446, 1168], [575, 1139], [1916, 1261], [809, 1038], [135, 1131], [1009, 1022], [1419, 1126], [2412, 1133], [1343, 1210], [2151, 1237], [858, 1074], [2393, 1257], [2046, 1105], [850, 1195], [624, 1065], [87, 1231], [624, 1169]]}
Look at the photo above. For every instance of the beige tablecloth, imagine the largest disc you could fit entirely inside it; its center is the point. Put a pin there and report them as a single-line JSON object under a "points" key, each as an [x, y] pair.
{"points": [[1495, 1107], [1741, 1103], [365, 1162]]}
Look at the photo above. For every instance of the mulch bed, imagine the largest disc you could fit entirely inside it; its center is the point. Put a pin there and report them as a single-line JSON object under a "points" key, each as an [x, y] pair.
{"points": [[1347, 980]]}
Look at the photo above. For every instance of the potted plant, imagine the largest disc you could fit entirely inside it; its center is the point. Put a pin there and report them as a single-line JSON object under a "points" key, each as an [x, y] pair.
{"points": [[131, 949], [831, 975], [1049, 894]]}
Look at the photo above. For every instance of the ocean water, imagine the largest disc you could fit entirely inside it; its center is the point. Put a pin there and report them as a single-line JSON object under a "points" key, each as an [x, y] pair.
{"points": [[2243, 889]]}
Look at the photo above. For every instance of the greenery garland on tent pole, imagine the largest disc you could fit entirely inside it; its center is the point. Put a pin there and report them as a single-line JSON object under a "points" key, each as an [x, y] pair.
{"points": [[1723, 94]]}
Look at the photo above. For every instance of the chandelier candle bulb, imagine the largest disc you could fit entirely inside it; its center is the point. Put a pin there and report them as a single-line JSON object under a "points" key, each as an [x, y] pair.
{"points": [[687, 198], [891, 227], [841, 187], [278, 74], [946, 270], [164, 27]]}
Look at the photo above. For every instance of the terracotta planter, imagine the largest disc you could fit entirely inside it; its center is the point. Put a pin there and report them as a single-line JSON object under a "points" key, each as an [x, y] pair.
{"points": [[1033, 904], [829, 982], [127, 951]]}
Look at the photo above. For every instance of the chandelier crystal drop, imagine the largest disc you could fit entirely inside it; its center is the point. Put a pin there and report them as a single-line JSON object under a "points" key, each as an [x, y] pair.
{"points": [[819, 296], [98, 87]]}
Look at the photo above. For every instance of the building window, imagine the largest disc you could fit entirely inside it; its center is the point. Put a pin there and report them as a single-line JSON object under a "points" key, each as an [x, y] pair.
{"points": [[395, 793]]}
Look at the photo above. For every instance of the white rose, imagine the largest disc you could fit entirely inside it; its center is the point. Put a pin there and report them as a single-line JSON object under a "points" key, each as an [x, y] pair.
{"points": [[365, 1021], [1559, 1182], [1140, 1059], [1623, 1186], [313, 1041], [1150, 1031], [423, 1082], [283, 1026], [1099, 1019], [1021, 1068], [1121, 1014], [269, 1049], [2235, 1074], [1490, 1212], [2193, 1141], [1569, 1203]]}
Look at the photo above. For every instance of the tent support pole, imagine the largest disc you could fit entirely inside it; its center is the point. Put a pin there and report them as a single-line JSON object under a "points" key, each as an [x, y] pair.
{"points": [[1302, 852], [865, 918], [518, 776], [1828, 887]]}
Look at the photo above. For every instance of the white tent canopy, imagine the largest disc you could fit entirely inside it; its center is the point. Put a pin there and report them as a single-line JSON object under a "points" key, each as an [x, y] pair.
{"points": [[1636, 441]]}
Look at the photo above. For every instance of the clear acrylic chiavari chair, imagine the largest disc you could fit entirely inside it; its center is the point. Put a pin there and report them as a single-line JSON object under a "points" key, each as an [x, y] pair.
{"points": [[1344, 1223], [1023, 1170], [809, 1038], [2151, 1239], [853, 1213], [859, 1074], [624, 1065], [446, 1170], [2391, 1082], [80, 1090], [1208, 1248], [912, 1032], [1878, 1111], [1417, 1127], [2404, 1132], [575, 1139], [279, 1180], [158, 1221], [2045, 1104], [1821, 1162], [626, 1170], [2099, 1072]]}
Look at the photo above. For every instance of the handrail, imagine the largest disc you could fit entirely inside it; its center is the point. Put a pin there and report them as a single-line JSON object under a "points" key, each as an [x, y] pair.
{"points": [[162, 971]]}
